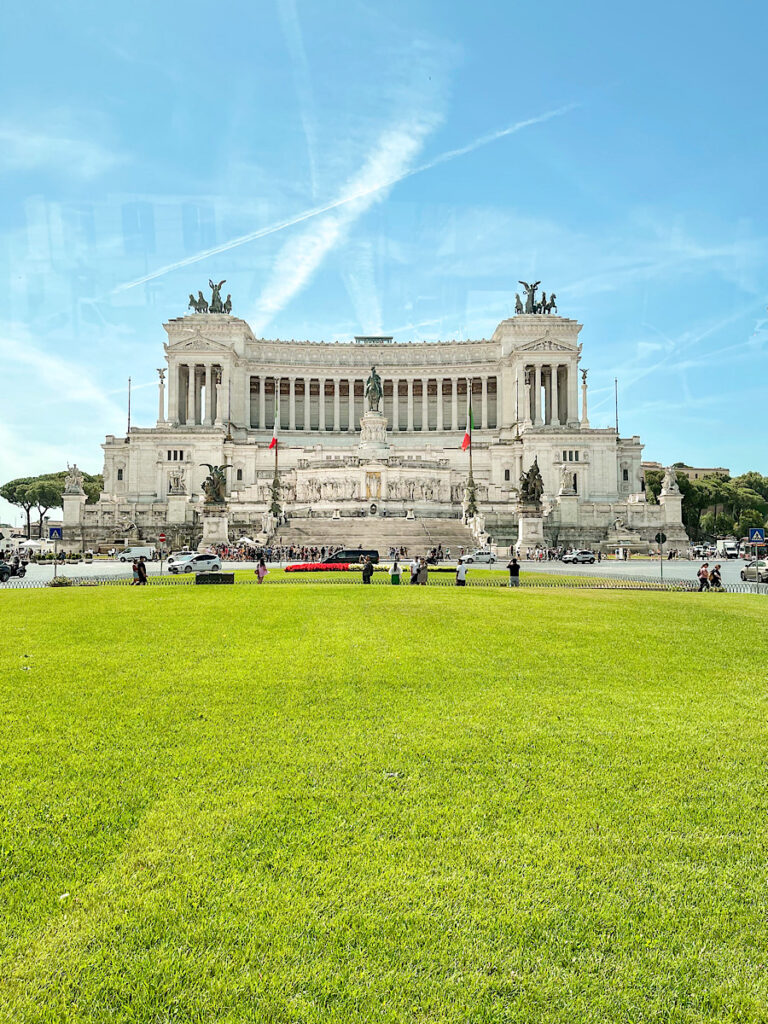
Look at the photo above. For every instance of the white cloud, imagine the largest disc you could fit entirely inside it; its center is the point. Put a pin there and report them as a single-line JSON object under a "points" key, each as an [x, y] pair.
{"points": [[28, 149]]}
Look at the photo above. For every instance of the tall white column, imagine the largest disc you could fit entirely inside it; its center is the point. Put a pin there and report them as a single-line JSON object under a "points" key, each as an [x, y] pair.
{"points": [[537, 395], [454, 403], [547, 375], [321, 405], [262, 402], [207, 416], [573, 395], [410, 403], [336, 405], [190, 394], [161, 397], [307, 425], [291, 403], [439, 403], [484, 400], [395, 404], [424, 403], [555, 395], [352, 427], [221, 400], [584, 416]]}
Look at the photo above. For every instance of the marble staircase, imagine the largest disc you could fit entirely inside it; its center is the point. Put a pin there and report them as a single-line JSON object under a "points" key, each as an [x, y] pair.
{"points": [[417, 535]]}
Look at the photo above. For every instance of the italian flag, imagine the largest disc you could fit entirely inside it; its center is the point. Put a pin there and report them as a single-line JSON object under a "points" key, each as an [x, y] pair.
{"points": [[470, 424], [273, 442]]}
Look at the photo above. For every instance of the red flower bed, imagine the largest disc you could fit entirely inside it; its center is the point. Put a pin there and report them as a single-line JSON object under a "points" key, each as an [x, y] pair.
{"points": [[318, 567]]}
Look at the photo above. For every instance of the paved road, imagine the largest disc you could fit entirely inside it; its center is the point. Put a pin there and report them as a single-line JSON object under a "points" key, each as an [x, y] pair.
{"points": [[673, 570]]}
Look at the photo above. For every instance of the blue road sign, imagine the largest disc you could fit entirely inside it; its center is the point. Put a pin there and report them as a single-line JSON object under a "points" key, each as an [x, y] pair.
{"points": [[55, 533], [756, 535]]}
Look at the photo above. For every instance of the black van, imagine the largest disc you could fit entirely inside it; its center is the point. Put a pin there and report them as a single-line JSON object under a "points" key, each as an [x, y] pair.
{"points": [[351, 555]]}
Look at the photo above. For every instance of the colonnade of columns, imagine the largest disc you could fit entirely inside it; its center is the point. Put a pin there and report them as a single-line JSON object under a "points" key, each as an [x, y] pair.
{"points": [[551, 394], [195, 394], [419, 404]]}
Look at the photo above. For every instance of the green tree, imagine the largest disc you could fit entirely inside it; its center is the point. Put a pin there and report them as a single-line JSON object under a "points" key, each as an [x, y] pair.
{"points": [[46, 494], [16, 492], [754, 482], [749, 518], [653, 480]]}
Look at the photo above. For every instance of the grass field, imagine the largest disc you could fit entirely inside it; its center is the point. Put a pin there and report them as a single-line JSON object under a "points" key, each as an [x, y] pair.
{"points": [[368, 804]]}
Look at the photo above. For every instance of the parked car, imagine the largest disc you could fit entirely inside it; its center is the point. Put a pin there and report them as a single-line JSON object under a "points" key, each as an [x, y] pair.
{"points": [[478, 556], [579, 557], [196, 563], [176, 555], [755, 571]]}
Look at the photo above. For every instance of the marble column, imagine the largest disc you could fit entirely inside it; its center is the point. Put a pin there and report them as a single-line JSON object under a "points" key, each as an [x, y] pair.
{"points": [[208, 416], [573, 400], [584, 416], [161, 397], [439, 403], [321, 405], [336, 405], [424, 403], [221, 398], [262, 402], [454, 403], [410, 404], [352, 427], [555, 395], [307, 425], [291, 403], [190, 394], [547, 381], [484, 400], [395, 404], [537, 395]]}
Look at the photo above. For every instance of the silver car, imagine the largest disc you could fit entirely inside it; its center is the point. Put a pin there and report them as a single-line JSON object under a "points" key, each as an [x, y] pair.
{"points": [[755, 571], [479, 556], [196, 563]]}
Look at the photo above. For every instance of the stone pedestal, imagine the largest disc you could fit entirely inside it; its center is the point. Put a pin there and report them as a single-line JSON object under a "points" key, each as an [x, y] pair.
{"points": [[73, 505], [530, 532], [568, 507], [373, 435], [177, 509], [215, 526]]}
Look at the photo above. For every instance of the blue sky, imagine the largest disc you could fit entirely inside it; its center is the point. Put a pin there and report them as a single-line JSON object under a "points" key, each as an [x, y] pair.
{"points": [[617, 153]]}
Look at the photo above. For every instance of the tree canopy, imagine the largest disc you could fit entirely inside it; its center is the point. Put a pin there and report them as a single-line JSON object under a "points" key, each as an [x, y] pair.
{"points": [[44, 492]]}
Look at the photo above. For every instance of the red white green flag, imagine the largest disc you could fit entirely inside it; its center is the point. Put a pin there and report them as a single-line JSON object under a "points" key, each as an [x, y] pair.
{"points": [[273, 442], [470, 424]]}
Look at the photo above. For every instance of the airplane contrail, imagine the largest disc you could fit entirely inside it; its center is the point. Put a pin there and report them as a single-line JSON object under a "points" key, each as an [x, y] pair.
{"points": [[315, 211]]}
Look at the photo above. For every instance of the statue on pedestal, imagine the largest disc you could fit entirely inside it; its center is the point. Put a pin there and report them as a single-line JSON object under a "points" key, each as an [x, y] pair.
{"points": [[73, 482], [374, 390], [215, 484], [531, 485]]}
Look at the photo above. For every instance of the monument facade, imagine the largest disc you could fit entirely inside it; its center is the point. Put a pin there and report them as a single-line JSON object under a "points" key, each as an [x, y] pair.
{"points": [[373, 422]]}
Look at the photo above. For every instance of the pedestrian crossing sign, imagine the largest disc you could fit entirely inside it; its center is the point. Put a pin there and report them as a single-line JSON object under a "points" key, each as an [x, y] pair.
{"points": [[756, 535]]}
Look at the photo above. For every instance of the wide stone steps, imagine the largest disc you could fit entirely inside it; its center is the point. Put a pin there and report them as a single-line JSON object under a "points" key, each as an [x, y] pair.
{"points": [[418, 535]]}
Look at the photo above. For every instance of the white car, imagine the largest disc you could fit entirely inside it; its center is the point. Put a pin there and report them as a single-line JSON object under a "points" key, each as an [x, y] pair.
{"points": [[196, 563], [176, 556], [587, 557], [479, 556]]}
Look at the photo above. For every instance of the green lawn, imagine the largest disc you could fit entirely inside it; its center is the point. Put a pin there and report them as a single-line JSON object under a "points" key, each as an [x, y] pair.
{"points": [[349, 804]]}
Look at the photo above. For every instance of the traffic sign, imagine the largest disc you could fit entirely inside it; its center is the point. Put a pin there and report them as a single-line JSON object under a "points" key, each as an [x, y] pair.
{"points": [[661, 538], [161, 538], [756, 535], [55, 533]]}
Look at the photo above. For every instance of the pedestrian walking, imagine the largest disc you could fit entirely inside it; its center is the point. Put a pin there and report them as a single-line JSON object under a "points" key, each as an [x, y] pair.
{"points": [[261, 570], [367, 569], [142, 567], [461, 574], [703, 575], [514, 572], [414, 571], [394, 574], [423, 574], [715, 578], [135, 570]]}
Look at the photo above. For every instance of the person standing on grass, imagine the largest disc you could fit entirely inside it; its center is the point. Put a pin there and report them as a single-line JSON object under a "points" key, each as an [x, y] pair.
{"points": [[142, 567], [423, 574], [703, 575], [135, 570], [461, 574], [715, 579], [261, 570], [514, 573], [367, 570], [394, 574], [414, 571]]}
